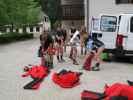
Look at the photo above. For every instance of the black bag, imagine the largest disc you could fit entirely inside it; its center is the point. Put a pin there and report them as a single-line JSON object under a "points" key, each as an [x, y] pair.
{"points": [[119, 98], [90, 95]]}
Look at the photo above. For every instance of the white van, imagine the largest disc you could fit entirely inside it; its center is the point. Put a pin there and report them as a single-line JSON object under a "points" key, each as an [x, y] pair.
{"points": [[116, 31]]}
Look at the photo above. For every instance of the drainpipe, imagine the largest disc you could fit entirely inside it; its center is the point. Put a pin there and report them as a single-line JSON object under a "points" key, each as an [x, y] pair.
{"points": [[86, 12]]}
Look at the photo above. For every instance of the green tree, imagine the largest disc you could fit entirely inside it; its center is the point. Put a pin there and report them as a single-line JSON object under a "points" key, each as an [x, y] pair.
{"points": [[3, 15], [52, 8], [19, 12]]}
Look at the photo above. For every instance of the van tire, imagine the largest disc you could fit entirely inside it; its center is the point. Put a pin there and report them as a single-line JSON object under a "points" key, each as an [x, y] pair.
{"points": [[131, 59]]}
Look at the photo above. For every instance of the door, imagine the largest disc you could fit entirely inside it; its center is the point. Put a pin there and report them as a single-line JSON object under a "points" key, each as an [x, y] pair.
{"points": [[129, 43], [108, 28]]}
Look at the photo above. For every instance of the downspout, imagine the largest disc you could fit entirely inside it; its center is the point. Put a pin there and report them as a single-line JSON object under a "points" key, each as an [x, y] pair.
{"points": [[86, 12]]}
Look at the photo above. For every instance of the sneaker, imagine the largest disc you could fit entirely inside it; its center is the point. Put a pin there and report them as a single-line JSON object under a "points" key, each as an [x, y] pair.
{"points": [[70, 57], [62, 60], [80, 73], [95, 68], [75, 63], [130, 82], [59, 61]]}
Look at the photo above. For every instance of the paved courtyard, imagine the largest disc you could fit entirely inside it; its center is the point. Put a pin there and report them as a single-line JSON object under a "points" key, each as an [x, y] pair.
{"points": [[16, 55]]}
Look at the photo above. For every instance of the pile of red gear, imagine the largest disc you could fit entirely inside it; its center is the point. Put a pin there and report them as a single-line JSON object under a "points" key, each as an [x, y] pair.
{"points": [[37, 73], [117, 91], [66, 79], [51, 51]]}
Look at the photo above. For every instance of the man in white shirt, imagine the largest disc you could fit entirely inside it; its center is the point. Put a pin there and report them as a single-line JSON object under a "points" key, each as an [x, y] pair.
{"points": [[74, 41]]}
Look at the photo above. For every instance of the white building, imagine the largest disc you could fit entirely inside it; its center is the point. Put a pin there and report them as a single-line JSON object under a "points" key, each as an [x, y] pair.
{"points": [[36, 29], [93, 8]]}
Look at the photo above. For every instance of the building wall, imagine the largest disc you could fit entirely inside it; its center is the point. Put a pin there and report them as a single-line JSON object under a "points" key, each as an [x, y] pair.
{"points": [[68, 23], [97, 7], [73, 16]]}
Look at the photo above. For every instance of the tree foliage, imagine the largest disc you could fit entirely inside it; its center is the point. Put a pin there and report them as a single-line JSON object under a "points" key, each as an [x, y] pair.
{"points": [[18, 12], [52, 8]]}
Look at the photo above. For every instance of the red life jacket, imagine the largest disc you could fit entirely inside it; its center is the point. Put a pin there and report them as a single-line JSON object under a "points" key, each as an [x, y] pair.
{"points": [[67, 80], [51, 51], [37, 72], [119, 90]]}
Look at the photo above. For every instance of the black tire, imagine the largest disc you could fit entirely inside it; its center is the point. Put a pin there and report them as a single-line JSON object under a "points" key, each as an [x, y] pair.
{"points": [[131, 59]]}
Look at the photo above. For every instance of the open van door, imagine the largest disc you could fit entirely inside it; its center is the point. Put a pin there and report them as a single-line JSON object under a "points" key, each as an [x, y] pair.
{"points": [[108, 29], [129, 42]]}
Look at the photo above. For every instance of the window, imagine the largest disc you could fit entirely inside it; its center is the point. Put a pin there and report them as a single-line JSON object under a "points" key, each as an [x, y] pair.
{"points": [[123, 1], [24, 29], [95, 25], [46, 19], [108, 23], [17, 30], [31, 29], [131, 25], [37, 29]]}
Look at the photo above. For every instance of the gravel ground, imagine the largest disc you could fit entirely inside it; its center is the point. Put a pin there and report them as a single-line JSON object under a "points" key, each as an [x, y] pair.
{"points": [[16, 55]]}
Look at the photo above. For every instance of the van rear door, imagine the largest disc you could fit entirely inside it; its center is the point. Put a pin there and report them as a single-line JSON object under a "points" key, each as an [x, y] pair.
{"points": [[129, 42], [108, 28]]}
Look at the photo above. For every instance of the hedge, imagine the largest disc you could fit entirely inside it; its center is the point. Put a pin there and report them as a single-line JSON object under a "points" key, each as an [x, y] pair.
{"points": [[10, 37]]}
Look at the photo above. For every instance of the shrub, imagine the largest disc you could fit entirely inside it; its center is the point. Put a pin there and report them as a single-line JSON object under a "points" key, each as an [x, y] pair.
{"points": [[10, 37]]}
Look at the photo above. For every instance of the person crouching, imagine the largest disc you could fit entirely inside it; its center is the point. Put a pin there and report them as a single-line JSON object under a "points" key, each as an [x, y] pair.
{"points": [[47, 44]]}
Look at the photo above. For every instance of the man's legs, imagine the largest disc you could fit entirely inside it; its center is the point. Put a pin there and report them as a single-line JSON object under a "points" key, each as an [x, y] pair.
{"points": [[81, 50], [88, 60], [61, 53], [58, 52], [51, 61], [96, 67], [74, 56], [71, 53]]}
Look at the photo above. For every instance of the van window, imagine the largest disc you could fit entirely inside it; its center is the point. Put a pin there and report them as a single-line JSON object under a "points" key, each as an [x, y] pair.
{"points": [[95, 25], [108, 23], [131, 25]]}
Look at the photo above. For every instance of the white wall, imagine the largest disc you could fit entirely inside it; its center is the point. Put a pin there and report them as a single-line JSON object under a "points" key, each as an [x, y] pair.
{"points": [[97, 7], [108, 6], [47, 26]]}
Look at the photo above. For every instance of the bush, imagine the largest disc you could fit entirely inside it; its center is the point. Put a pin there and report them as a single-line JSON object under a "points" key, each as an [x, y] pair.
{"points": [[10, 37]]}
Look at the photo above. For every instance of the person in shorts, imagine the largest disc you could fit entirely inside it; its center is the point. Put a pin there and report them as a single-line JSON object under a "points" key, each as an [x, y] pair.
{"points": [[59, 39], [95, 48], [74, 41]]}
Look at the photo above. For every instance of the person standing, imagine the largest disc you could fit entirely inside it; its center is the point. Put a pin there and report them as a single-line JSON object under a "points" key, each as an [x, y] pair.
{"points": [[72, 31], [65, 36], [74, 43], [59, 39], [84, 37]]}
